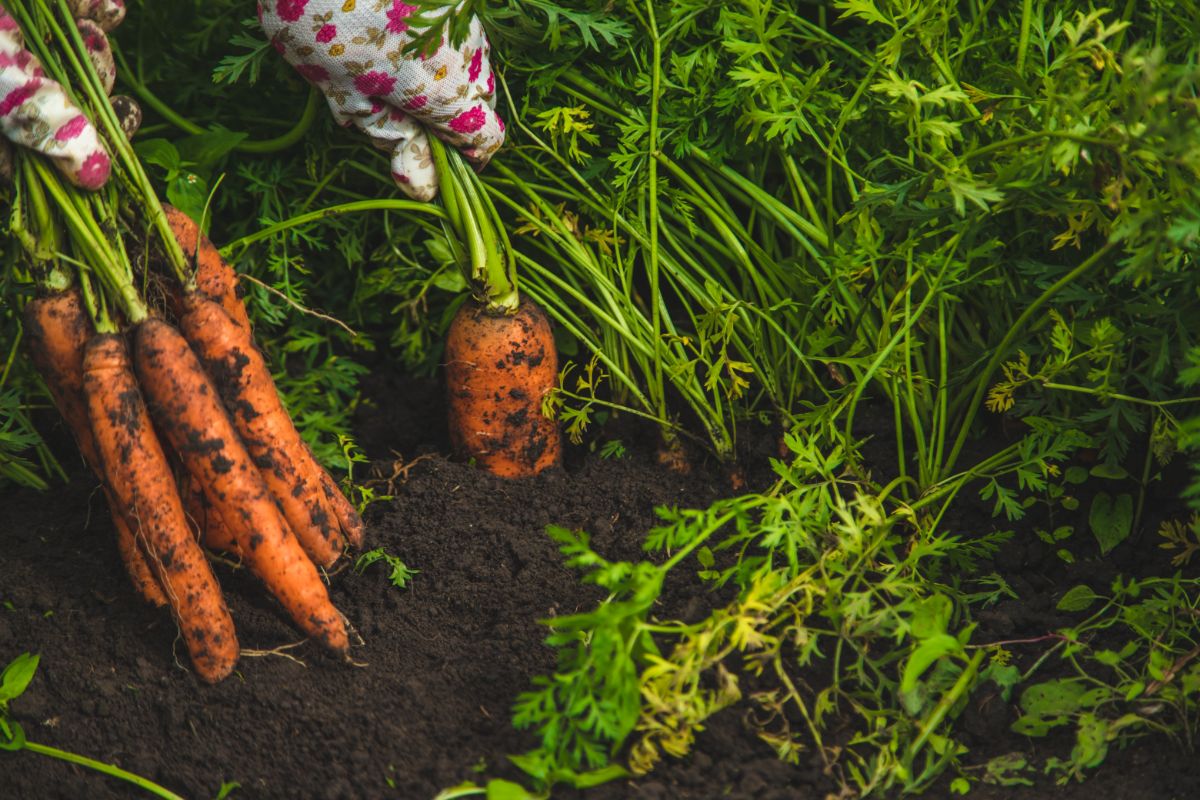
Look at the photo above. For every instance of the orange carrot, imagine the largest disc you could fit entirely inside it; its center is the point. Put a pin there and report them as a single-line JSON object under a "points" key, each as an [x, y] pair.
{"points": [[215, 279], [213, 531], [137, 473], [185, 402], [240, 373], [135, 560], [57, 329], [498, 370], [347, 516]]}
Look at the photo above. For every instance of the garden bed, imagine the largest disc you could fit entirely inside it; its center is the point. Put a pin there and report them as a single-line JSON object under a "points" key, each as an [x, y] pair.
{"points": [[442, 661]]}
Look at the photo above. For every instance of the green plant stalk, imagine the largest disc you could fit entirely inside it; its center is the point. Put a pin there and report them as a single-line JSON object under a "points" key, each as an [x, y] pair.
{"points": [[107, 769], [1001, 351], [88, 83], [486, 263], [408, 206], [945, 704], [1124, 398], [496, 271], [634, 337], [657, 388], [312, 106], [886, 350], [941, 412], [694, 287], [110, 266], [1023, 41]]}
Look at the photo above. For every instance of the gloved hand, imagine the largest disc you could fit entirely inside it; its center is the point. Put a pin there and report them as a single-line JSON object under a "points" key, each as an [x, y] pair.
{"points": [[352, 51], [35, 111]]}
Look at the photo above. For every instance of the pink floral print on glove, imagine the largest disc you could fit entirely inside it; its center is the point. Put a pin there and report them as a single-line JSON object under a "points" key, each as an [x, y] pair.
{"points": [[352, 50], [35, 111]]}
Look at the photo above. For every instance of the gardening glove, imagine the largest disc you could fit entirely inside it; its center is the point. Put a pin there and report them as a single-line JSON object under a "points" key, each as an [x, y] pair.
{"points": [[352, 50], [36, 112]]}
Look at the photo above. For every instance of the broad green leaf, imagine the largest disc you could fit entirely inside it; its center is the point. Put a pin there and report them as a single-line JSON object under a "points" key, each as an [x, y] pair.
{"points": [[1111, 519], [1077, 598], [1053, 697], [498, 789], [1091, 741], [932, 616], [1134, 690], [189, 193], [203, 150], [17, 675], [450, 280], [1075, 475], [925, 655], [159, 152], [586, 780], [1112, 472]]}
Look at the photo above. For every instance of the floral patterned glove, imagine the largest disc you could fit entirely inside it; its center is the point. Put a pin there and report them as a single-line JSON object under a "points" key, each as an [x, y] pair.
{"points": [[352, 50], [35, 111]]}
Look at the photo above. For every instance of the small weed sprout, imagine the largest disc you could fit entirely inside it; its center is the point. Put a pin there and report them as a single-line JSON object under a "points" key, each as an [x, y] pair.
{"points": [[400, 576]]}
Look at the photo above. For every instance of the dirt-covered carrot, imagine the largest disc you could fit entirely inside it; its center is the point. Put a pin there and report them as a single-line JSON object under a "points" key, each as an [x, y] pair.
{"points": [[498, 370], [215, 279], [248, 391], [137, 473], [500, 358], [189, 412], [134, 559], [57, 330], [212, 530], [347, 516]]}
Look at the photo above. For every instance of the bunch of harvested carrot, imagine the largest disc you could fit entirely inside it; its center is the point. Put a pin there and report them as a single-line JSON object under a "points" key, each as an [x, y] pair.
{"points": [[251, 482], [501, 360]]}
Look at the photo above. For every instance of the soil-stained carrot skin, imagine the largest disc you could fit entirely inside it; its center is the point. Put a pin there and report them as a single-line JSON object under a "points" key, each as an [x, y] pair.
{"points": [[213, 532], [215, 279], [347, 516], [498, 370], [188, 409], [136, 564], [140, 479], [248, 391], [57, 330]]}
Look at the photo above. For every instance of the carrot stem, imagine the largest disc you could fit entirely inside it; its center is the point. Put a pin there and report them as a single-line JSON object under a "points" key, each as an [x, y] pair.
{"points": [[489, 264], [332, 211], [89, 85], [259, 146], [100, 766]]}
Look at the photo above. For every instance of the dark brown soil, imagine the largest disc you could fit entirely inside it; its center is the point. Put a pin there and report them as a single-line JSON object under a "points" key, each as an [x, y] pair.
{"points": [[441, 662]]}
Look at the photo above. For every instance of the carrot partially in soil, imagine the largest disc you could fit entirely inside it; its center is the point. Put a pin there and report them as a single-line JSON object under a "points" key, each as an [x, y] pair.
{"points": [[188, 409], [500, 358], [499, 368], [57, 330], [215, 278], [137, 473], [237, 368]]}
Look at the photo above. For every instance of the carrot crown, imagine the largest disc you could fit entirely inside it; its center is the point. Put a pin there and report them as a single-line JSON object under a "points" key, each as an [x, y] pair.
{"points": [[91, 221], [476, 232]]}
